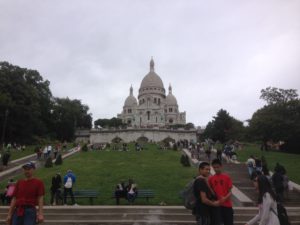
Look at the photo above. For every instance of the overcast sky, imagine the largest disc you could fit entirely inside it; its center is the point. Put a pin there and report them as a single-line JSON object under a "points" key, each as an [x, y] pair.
{"points": [[216, 54]]}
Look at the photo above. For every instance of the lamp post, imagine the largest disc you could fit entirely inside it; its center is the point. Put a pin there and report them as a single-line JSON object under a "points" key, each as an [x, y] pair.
{"points": [[4, 128]]}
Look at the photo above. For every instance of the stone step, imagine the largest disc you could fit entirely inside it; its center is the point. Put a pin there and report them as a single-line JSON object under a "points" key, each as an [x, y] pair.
{"points": [[123, 215], [139, 216], [130, 222]]}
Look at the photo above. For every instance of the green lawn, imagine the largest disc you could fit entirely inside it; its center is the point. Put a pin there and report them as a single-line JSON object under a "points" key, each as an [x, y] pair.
{"points": [[16, 154], [290, 161], [102, 170]]}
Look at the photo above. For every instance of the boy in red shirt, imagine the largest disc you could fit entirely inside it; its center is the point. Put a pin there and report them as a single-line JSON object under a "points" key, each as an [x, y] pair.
{"points": [[221, 184], [28, 193]]}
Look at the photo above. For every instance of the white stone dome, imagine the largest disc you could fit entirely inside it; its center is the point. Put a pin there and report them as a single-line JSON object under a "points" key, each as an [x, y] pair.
{"points": [[170, 99], [130, 100], [152, 79]]}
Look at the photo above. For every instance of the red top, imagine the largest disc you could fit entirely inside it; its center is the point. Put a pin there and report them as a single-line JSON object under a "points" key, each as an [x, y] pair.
{"points": [[221, 184], [28, 191]]}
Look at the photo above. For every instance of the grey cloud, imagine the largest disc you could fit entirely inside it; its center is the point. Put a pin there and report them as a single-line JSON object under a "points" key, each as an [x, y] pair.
{"points": [[215, 54]]}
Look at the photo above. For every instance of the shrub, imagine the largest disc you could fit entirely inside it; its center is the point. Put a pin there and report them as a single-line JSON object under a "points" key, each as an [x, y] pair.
{"points": [[185, 161], [85, 148], [48, 163], [58, 160]]}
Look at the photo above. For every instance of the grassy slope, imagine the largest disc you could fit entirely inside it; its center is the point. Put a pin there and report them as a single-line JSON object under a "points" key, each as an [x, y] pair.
{"points": [[290, 161], [151, 169]]}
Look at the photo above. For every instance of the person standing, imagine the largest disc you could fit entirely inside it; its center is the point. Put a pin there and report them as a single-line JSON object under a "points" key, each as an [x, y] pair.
{"points": [[206, 202], [266, 201], [278, 183], [55, 189], [251, 165], [221, 184], [69, 181], [28, 194]]}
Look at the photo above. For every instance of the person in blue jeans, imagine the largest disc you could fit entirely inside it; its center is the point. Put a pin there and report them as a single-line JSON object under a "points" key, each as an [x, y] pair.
{"points": [[28, 194], [69, 181]]}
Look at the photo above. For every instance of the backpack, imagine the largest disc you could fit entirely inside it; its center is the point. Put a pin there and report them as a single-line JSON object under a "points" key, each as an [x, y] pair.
{"points": [[69, 183], [10, 190], [189, 199], [282, 215]]}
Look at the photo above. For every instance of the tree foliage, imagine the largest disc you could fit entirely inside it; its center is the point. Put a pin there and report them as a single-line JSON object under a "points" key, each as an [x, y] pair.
{"points": [[224, 128], [30, 110], [67, 115], [279, 120], [107, 123], [273, 95]]}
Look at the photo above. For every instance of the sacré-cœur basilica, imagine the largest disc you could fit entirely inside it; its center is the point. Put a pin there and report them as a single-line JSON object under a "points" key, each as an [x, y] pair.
{"points": [[150, 117]]}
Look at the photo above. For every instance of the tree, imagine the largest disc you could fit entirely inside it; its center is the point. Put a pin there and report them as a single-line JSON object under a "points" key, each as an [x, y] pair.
{"points": [[28, 111], [224, 128], [67, 115], [274, 95], [113, 122], [278, 121], [27, 98]]}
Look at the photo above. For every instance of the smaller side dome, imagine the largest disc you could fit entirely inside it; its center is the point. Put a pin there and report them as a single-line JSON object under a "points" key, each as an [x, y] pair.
{"points": [[170, 99], [130, 100]]}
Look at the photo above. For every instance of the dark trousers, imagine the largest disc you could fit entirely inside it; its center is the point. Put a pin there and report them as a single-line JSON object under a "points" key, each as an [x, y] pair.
{"points": [[29, 217], [70, 191], [203, 220], [56, 195], [226, 215], [279, 193], [215, 215], [120, 194]]}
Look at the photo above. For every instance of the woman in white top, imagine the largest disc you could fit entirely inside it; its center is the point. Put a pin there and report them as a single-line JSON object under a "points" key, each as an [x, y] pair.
{"points": [[267, 214]]}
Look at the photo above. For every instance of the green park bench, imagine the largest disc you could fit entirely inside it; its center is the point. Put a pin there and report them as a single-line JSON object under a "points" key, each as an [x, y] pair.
{"points": [[142, 193], [90, 194]]}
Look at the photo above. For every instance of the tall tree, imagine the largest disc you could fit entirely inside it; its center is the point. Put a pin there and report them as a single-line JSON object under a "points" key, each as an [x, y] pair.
{"points": [[279, 120], [27, 99], [68, 115], [273, 95], [224, 127]]}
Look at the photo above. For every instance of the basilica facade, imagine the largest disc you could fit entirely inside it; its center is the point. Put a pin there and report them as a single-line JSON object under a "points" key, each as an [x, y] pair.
{"points": [[152, 108]]}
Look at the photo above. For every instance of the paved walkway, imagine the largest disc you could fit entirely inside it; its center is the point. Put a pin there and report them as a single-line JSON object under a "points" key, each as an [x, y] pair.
{"points": [[15, 167]]}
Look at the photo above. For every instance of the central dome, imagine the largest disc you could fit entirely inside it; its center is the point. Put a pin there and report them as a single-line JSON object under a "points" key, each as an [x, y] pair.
{"points": [[152, 80], [152, 83]]}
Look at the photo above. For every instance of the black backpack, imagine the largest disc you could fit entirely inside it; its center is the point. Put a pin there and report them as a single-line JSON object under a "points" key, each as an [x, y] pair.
{"points": [[282, 215], [188, 195]]}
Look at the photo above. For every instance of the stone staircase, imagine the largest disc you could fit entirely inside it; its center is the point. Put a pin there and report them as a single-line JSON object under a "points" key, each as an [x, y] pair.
{"points": [[136, 215], [240, 178]]}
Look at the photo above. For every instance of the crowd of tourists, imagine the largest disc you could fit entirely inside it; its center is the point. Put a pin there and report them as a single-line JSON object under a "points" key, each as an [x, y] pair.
{"points": [[279, 179], [213, 204], [227, 152]]}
